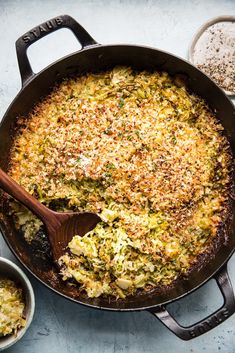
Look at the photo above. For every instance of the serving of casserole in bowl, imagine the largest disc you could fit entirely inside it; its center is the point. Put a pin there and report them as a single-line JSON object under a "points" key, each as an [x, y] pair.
{"points": [[17, 303]]}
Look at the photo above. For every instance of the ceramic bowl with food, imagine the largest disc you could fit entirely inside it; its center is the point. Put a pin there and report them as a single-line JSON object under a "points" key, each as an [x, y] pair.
{"points": [[16, 292]]}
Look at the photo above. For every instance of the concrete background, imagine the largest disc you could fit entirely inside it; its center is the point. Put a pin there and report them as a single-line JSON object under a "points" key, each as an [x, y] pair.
{"points": [[60, 326]]}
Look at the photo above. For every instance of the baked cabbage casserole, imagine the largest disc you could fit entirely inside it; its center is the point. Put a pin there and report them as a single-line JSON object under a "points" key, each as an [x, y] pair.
{"points": [[143, 152], [11, 307]]}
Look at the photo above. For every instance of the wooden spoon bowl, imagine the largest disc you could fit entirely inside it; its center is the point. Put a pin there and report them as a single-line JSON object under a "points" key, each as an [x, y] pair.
{"points": [[60, 226]]}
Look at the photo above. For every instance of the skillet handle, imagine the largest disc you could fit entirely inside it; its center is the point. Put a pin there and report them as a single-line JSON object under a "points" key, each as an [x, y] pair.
{"points": [[211, 321], [42, 30]]}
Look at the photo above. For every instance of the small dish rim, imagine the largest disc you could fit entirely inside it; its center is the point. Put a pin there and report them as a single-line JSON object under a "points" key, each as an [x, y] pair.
{"points": [[30, 302]]}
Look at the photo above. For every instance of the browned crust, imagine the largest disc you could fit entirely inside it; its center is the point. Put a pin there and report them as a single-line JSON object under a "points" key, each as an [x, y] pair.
{"points": [[219, 240]]}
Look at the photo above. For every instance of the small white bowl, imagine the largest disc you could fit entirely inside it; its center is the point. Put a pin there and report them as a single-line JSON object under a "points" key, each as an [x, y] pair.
{"points": [[9, 270], [198, 34]]}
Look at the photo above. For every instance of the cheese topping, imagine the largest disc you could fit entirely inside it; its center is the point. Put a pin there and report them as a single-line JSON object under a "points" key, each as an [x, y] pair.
{"points": [[146, 155]]}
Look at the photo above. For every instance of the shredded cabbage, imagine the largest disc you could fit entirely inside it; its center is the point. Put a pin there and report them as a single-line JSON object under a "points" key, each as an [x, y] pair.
{"points": [[144, 153], [11, 308]]}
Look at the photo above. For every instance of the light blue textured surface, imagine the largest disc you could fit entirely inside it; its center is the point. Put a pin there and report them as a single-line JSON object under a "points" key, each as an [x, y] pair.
{"points": [[60, 326]]}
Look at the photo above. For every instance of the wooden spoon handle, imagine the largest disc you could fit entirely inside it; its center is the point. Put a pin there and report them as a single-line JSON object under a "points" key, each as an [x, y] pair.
{"points": [[21, 195]]}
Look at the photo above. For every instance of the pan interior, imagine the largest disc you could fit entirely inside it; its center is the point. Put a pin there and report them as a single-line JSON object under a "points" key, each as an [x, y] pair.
{"points": [[104, 58]]}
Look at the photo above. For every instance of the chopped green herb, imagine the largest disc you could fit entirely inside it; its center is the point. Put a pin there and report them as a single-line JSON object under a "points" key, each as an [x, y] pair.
{"points": [[110, 166], [138, 133], [121, 102]]}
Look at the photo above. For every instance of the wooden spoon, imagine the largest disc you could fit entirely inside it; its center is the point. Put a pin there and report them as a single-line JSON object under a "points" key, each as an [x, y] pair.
{"points": [[61, 227]]}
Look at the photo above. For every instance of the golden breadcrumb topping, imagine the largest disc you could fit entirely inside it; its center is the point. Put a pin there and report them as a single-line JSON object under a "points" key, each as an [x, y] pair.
{"points": [[146, 155]]}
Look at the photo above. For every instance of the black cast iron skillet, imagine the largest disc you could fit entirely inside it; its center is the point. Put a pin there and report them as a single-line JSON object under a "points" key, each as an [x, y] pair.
{"points": [[96, 57]]}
